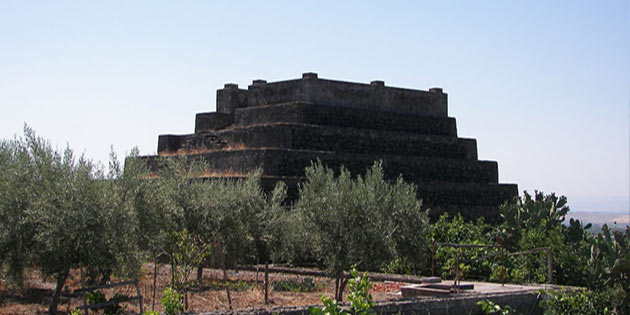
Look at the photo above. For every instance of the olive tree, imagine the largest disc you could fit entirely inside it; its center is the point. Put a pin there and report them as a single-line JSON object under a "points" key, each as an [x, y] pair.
{"points": [[73, 214], [266, 222], [365, 221], [243, 217], [17, 194], [235, 216], [170, 206]]}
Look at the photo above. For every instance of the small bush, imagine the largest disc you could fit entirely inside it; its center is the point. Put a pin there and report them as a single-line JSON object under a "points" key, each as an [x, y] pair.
{"points": [[96, 297], [306, 285], [173, 302], [488, 307], [581, 302], [361, 302], [238, 286]]}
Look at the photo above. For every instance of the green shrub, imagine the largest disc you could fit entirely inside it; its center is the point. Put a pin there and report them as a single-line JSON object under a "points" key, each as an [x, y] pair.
{"points": [[360, 298], [96, 297], [306, 285], [365, 220], [456, 230], [585, 302], [173, 302], [490, 308], [239, 285], [361, 302]]}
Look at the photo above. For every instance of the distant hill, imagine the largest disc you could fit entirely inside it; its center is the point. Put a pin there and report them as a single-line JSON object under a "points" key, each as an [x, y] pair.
{"points": [[614, 220], [601, 217]]}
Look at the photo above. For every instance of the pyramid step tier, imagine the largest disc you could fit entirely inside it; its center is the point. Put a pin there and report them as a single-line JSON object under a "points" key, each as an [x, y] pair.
{"points": [[282, 162], [472, 200], [323, 115], [316, 138]]}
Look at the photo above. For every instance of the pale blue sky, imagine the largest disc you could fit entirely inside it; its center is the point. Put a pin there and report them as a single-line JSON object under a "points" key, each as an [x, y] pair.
{"points": [[544, 86]]}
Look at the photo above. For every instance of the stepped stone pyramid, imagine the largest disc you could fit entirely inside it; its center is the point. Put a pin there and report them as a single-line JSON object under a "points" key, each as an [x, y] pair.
{"points": [[282, 126]]}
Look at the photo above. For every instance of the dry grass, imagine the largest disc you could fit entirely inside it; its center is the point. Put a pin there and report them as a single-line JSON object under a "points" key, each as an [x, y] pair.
{"points": [[206, 174], [35, 297], [184, 151]]}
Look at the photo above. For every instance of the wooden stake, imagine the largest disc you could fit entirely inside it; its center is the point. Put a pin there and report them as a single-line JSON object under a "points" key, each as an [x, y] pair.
{"points": [[266, 283], [433, 258], [549, 265]]}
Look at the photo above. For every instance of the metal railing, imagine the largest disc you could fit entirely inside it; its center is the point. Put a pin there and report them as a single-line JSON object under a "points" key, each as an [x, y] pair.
{"points": [[502, 252]]}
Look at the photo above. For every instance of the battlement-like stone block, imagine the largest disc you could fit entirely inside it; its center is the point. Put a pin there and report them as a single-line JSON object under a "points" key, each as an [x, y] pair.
{"points": [[230, 98]]}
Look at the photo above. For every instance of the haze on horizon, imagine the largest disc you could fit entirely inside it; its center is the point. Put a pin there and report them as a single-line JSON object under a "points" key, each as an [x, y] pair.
{"points": [[543, 87]]}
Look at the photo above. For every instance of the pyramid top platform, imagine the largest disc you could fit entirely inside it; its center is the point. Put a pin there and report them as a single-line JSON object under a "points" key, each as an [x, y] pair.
{"points": [[375, 96]]}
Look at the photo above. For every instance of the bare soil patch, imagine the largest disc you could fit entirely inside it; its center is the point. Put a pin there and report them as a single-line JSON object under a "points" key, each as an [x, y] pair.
{"points": [[246, 292]]}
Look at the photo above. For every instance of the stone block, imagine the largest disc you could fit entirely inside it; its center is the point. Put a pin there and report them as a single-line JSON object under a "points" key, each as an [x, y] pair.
{"points": [[230, 98]]}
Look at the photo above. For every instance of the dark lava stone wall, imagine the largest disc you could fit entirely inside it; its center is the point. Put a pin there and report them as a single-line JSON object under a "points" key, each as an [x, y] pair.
{"points": [[318, 138], [431, 184], [344, 117], [279, 162], [377, 141], [349, 94], [212, 121]]}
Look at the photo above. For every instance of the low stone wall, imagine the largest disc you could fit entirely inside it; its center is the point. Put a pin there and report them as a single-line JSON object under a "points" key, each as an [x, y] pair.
{"points": [[525, 302]]}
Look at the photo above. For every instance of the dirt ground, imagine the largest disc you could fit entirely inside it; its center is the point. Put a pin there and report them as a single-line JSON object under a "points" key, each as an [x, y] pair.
{"points": [[36, 295]]}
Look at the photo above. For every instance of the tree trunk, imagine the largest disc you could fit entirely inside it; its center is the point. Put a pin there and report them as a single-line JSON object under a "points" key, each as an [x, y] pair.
{"points": [[199, 272], [226, 280], [266, 283], [173, 273], [342, 286], [257, 263], [186, 300], [61, 280], [337, 288]]}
